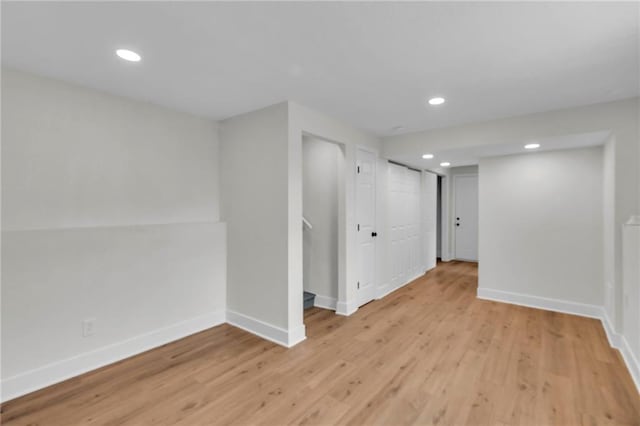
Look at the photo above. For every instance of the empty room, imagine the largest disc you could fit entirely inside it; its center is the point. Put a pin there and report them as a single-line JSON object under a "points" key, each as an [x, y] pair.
{"points": [[329, 213]]}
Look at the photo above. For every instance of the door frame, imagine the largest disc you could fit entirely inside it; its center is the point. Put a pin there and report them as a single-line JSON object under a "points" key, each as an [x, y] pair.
{"points": [[347, 302], [452, 254]]}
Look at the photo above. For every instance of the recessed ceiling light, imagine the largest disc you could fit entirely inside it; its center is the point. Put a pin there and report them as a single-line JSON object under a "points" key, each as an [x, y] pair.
{"points": [[532, 146], [128, 55], [436, 101], [445, 164], [427, 156]]}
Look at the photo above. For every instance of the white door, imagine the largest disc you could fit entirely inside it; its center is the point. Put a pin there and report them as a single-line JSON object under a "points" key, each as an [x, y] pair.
{"points": [[430, 219], [412, 208], [406, 254], [397, 224], [366, 222], [466, 217]]}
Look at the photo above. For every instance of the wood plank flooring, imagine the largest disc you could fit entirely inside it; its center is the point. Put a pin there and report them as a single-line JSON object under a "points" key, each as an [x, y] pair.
{"points": [[429, 353]]}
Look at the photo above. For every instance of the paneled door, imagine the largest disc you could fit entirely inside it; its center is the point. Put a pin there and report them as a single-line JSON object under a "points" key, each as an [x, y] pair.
{"points": [[405, 228], [430, 219], [366, 222], [466, 217]]}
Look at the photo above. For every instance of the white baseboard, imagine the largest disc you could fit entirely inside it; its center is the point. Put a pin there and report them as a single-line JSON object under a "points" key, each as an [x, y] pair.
{"points": [[619, 342], [384, 291], [556, 305], [30, 381], [325, 302], [278, 335], [633, 364], [346, 309], [616, 340], [296, 336]]}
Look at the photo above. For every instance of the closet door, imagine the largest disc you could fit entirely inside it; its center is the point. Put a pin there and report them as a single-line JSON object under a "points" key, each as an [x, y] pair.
{"points": [[397, 231], [414, 245], [429, 219], [404, 215]]}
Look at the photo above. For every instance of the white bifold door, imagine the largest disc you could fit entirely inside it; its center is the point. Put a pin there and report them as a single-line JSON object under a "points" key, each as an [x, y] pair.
{"points": [[430, 219], [404, 216]]}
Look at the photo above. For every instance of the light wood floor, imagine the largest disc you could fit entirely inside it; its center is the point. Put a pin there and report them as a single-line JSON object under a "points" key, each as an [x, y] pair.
{"points": [[430, 353]]}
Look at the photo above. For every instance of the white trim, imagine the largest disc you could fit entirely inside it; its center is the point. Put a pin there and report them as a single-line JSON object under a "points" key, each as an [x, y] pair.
{"points": [[556, 305], [383, 290], [616, 340], [386, 290], [346, 308], [325, 302], [632, 362], [59, 371], [445, 231], [281, 336], [296, 336]]}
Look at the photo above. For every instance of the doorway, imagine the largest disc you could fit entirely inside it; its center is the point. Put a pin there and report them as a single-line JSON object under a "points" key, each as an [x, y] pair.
{"points": [[466, 217], [322, 170]]}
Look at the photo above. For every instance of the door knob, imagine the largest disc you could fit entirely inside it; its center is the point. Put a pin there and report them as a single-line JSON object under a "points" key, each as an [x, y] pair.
{"points": [[374, 234]]}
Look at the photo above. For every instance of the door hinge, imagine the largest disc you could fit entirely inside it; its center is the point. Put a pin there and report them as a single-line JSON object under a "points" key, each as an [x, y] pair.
{"points": [[358, 169], [358, 285], [358, 227]]}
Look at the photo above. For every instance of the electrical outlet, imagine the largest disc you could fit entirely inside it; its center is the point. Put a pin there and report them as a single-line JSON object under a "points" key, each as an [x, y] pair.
{"points": [[88, 327]]}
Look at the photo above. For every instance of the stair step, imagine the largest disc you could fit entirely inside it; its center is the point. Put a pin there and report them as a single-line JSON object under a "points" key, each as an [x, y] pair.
{"points": [[309, 299]]}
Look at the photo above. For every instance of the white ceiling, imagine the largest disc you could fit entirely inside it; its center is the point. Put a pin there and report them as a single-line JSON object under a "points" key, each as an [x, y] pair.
{"points": [[471, 155], [370, 64]]}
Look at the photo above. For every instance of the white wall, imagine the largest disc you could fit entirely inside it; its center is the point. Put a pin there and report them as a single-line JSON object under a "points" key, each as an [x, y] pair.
{"points": [[109, 211], [630, 339], [609, 214], [541, 225], [254, 164], [79, 158], [321, 161]]}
